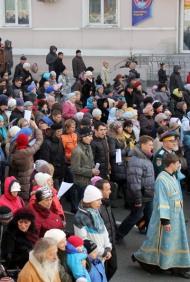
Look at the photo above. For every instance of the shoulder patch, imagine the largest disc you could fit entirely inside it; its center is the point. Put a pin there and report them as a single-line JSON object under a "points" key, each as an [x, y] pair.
{"points": [[158, 161]]}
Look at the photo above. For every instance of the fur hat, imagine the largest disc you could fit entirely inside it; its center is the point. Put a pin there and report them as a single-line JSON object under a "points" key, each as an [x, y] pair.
{"points": [[5, 213], [96, 113], [91, 194], [11, 103], [43, 193], [160, 117], [41, 178], [26, 65], [75, 241], [89, 245], [55, 234], [14, 130], [147, 109], [24, 213]]}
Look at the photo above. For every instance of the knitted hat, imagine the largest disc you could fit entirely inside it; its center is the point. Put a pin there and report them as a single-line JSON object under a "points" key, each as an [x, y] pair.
{"points": [[108, 91], [147, 109], [31, 87], [115, 125], [95, 179], [121, 90], [156, 104], [26, 65], [5, 213], [3, 102], [24, 213], [89, 245], [96, 113], [56, 126], [85, 121], [22, 141], [19, 102], [70, 95], [49, 89], [91, 194], [137, 83], [41, 178], [75, 241], [46, 75], [55, 234], [52, 73], [88, 115], [160, 117], [15, 186], [46, 120], [85, 131], [120, 104], [39, 163], [11, 103], [43, 193], [128, 115], [28, 103], [14, 130], [79, 116], [127, 123]]}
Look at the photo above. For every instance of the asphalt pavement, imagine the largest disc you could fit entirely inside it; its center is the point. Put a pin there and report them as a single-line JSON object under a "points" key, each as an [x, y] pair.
{"points": [[129, 271]]}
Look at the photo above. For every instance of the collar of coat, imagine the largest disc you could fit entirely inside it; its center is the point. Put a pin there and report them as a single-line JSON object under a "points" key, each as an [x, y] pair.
{"points": [[38, 267]]}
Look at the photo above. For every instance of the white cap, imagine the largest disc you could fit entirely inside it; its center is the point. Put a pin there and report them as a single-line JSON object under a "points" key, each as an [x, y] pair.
{"points": [[41, 178], [15, 187], [11, 103], [174, 119], [55, 234], [14, 130], [26, 65], [91, 194]]}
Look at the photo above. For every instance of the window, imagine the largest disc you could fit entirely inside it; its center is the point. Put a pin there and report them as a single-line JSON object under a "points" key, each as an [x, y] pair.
{"points": [[102, 12], [16, 12]]}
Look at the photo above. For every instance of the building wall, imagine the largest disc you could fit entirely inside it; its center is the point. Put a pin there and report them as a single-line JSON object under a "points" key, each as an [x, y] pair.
{"points": [[61, 24]]}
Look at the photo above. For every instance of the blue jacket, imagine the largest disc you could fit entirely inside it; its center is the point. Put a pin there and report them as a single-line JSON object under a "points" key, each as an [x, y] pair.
{"points": [[97, 272], [74, 261]]}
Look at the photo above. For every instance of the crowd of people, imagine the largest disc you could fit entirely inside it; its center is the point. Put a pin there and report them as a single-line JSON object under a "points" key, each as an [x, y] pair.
{"points": [[109, 140]]}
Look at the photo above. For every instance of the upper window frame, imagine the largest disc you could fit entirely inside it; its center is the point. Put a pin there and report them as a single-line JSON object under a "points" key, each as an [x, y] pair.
{"points": [[85, 13], [16, 25]]}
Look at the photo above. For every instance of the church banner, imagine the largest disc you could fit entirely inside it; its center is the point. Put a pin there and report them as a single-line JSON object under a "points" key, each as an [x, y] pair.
{"points": [[141, 10]]}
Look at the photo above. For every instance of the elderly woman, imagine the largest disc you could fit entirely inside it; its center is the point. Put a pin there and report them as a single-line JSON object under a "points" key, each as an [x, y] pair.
{"points": [[69, 109], [60, 237], [147, 123], [19, 239], [46, 215], [88, 223]]}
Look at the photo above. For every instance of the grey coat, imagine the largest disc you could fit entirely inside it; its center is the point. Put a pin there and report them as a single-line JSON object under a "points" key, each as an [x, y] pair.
{"points": [[140, 177], [82, 163]]}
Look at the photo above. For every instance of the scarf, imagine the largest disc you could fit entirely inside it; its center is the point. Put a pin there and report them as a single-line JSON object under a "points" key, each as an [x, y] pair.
{"points": [[98, 221], [3, 130]]}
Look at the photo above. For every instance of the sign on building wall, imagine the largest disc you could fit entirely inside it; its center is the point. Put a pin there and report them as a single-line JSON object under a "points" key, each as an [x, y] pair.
{"points": [[141, 10]]}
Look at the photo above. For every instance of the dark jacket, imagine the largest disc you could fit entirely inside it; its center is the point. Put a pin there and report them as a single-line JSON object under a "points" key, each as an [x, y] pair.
{"points": [[129, 99], [26, 75], [147, 126], [138, 98], [140, 177], [173, 103], [108, 218], [23, 164], [51, 57], [18, 70], [162, 77], [53, 152], [16, 114], [101, 154], [9, 55], [175, 79], [105, 112], [78, 66], [59, 67], [86, 89], [118, 170], [64, 271]]}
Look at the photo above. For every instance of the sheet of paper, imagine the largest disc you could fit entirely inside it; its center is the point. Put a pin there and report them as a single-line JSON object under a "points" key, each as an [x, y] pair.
{"points": [[118, 156], [32, 142], [65, 186], [27, 115]]}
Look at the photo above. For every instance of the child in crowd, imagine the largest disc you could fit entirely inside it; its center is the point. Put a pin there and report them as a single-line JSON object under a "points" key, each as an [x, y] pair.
{"points": [[97, 272], [76, 259]]}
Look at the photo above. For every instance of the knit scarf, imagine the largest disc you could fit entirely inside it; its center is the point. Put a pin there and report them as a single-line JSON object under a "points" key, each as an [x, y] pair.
{"points": [[3, 132], [98, 221]]}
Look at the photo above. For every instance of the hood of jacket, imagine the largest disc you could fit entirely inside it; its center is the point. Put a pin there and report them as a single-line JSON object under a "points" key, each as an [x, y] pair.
{"points": [[51, 48], [7, 42], [137, 152], [7, 185], [176, 68]]}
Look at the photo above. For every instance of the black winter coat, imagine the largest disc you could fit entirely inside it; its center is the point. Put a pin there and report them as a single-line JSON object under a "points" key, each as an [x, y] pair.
{"points": [[26, 75], [51, 57], [100, 152], [108, 218], [129, 99], [52, 151], [162, 77], [175, 79], [147, 126], [16, 114], [18, 70], [118, 170], [59, 67], [78, 66]]}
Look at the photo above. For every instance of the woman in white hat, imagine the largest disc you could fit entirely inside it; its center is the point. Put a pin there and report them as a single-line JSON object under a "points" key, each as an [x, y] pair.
{"points": [[88, 223]]}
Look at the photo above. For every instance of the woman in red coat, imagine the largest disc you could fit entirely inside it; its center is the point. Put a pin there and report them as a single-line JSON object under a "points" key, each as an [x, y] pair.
{"points": [[46, 215], [10, 197]]}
